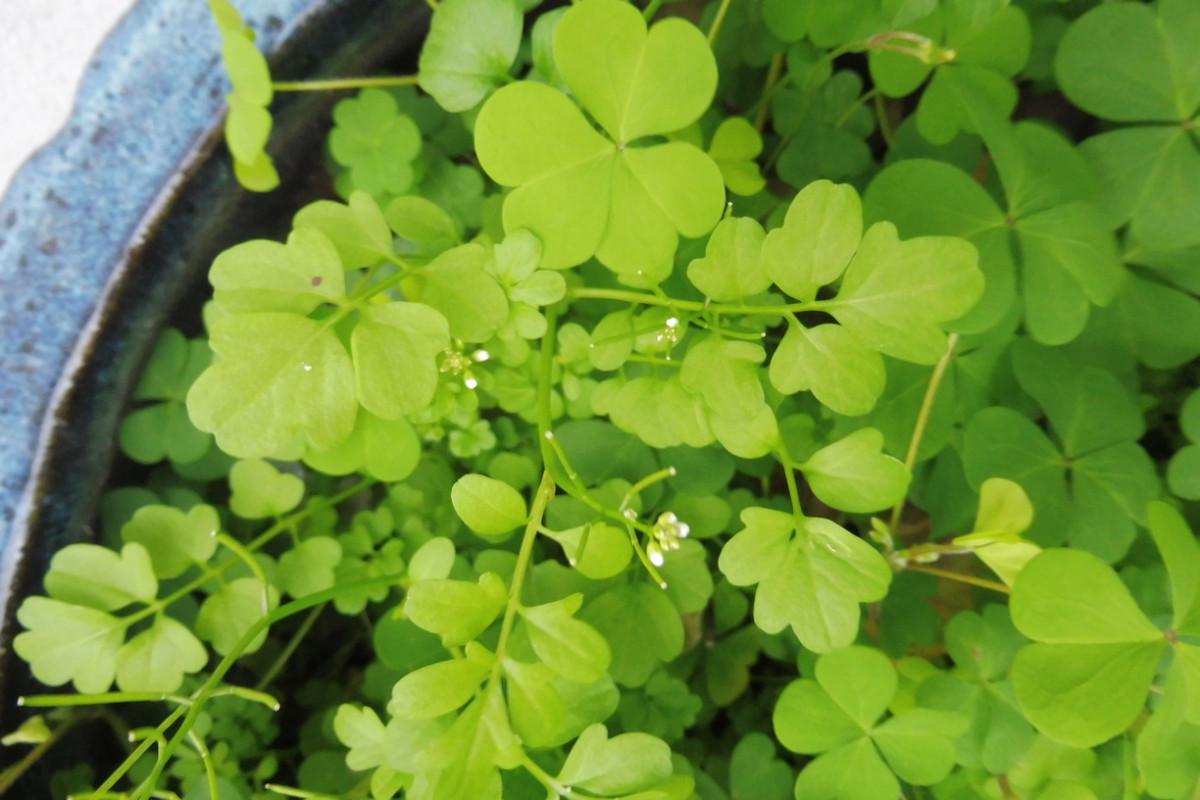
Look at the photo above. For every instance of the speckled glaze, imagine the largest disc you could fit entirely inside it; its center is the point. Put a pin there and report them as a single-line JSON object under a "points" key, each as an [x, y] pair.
{"points": [[112, 225]]}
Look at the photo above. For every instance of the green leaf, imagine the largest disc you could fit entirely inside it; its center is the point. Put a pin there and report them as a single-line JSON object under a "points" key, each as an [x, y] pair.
{"points": [[260, 490], [296, 378], [1126, 62], [361, 730], [156, 659], [606, 549], [1072, 597], [438, 689], [754, 771], [724, 373], [456, 285], [262, 275], [489, 507], [1168, 747], [689, 581], [895, 293], [634, 83], [539, 713], [1181, 555], [357, 229], [226, 615], [174, 540], [855, 475], [160, 431], [64, 642], [735, 145], [1004, 513], [728, 665], [457, 611], [423, 222], [387, 450], [309, 566], [32, 731], [829, 361], [582, 193], [629, 762], [470, 47], [812, 581], [818, 238], [568, 646], [395, 350], [731, 268], [852, 772], [94, 576], [1084, 694], [918, 744], [643, 629], [375, 142]]}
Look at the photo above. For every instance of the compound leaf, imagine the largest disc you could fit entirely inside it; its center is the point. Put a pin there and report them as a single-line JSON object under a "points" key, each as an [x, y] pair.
{"points": [[395, 348], [64, 642], [94, 576], [470, 47]]}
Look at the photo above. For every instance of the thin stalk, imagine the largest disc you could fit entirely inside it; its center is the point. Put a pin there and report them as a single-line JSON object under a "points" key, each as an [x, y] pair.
{"points": [[344, 83], [290, 649], [647, 299], [789, 474], [881, 117], [717, 21], [995, 586], [914, 444], [769, 88], [651, 9]]}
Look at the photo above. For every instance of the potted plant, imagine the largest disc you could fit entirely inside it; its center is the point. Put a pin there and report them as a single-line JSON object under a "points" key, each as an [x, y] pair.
{"points": [[759, 402]]}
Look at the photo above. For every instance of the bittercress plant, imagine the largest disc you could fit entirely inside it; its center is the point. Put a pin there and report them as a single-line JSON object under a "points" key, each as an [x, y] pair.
{"points": [[737, 400]]}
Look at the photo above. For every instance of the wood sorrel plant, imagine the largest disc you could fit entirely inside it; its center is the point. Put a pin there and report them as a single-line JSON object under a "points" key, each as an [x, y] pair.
{"points": [[543, 464]]}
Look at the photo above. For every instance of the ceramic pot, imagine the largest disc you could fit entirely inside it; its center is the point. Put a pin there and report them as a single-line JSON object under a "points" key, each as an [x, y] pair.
{"points": [[107, 234]]}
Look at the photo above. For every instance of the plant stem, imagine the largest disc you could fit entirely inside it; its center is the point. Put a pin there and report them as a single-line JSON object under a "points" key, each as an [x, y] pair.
{"points": [[344, 83], [769, 88], [995, 586], [789, 474], [647, 299], [545, 491], [914, 444], [651, 9], [717, 21], [287, 652]]}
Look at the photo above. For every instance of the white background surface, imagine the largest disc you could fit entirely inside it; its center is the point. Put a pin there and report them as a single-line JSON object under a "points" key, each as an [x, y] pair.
{"points": [[44, 47]]}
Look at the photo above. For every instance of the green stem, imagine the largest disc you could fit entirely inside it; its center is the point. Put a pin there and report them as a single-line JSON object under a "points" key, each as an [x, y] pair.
{"points": [[546, 779], [344, 83], [881, 117], [545, 492], [647, 299], [282, 659], [773, 84], [995, 586], [210, 772], [789, 474], [722, 10], [651, 9], [914, 444]]}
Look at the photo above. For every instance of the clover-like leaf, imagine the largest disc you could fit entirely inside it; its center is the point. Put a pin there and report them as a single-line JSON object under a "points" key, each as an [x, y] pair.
{"points": [[375, 142], [94, 576], [1004, 514], [470, 47], [228, 614], [175, 540], [309, 566], [811, 574], [854, 474], [157, 659], [361, 730], [829, 361], [259, 490], [734, 146], [457, 285], [819, 235], [582, 193], [384, 449], [568, 646], [731, 268], [357, 229], [621, 765], [395, 348], [64, 642], [643, 629], [262, 275]]}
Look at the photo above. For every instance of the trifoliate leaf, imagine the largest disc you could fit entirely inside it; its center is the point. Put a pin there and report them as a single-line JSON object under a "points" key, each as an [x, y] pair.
{"points": [[855, 475], [811, 575], [308, 567], [458, 611], [731, 269], [833, 364], [375, 142], [643, 629], [568, 646], [64, 642], [260, 490], [94, 576], [755, 773], [470, 47], [1168, 747], [818, 237], [1004, 514], [852, 772], [627, 763], [895, 293], [227, 614], [582, 193], [175, 540], [918, 744], [156, 660], [489, 507]]}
